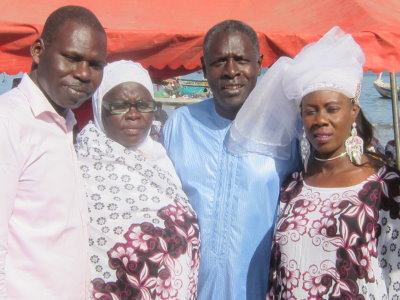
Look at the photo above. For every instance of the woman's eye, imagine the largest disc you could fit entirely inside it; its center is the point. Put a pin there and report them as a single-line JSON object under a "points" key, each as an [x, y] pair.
{"points": [[333, 109], [119, 105], [142, 104]]}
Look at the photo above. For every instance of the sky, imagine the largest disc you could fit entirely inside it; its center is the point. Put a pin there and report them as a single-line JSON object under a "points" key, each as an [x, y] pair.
{"points": [[6, 81]]}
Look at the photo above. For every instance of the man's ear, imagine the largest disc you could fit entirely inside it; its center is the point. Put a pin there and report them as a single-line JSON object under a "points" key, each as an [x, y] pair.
{"points": [[37, 49], [203, 66], [260, 63]]}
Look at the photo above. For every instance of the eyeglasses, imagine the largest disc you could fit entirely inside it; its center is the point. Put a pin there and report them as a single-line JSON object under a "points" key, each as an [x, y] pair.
{"points": [[119, 108]]}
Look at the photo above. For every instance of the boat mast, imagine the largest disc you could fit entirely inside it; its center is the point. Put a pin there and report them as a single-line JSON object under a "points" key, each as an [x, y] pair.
{"points": [[395, 117]]}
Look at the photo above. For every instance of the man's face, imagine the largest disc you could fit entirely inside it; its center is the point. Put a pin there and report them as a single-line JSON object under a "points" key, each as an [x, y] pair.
{"points": [[231, 68], [70, 69]]}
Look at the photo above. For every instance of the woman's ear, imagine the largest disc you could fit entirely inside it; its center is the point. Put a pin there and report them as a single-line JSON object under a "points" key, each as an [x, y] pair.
{"points": [[354, 111], [37, 49]]}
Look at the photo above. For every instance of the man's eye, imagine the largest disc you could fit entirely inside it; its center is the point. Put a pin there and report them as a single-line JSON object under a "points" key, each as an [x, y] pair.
{"points": [[218, 63], [309, 112], [242, 60], [97, 66], [70, 58]]}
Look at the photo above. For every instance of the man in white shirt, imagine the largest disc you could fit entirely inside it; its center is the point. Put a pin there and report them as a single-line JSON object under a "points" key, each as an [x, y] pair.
{"points": [[43, 234]]}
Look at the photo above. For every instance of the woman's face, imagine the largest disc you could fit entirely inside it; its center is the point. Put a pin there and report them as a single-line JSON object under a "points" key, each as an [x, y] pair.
{"points": [[131, 128], [327, 119]]}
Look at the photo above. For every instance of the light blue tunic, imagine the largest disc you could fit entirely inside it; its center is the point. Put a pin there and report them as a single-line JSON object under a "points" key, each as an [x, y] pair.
{"points": [[235, 198]]}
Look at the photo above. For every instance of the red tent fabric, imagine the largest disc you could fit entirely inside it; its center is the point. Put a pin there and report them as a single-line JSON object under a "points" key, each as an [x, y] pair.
{"points": [[166, 36]]}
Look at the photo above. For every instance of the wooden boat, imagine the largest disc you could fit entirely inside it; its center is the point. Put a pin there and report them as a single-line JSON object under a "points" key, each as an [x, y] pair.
{"points": [[178, 101], [178, 86], [383, 88]]}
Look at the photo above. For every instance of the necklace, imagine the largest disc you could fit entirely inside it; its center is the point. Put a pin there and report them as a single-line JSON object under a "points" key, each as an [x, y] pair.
{"points": [[332, 158]]}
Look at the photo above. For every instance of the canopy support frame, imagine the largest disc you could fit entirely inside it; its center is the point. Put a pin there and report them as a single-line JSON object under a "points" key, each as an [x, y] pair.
{"points": [[393, 86]]}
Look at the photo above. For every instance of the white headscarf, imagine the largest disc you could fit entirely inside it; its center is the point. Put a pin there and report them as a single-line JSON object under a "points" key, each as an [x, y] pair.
{"points": [[119, 72], [269, 120]]}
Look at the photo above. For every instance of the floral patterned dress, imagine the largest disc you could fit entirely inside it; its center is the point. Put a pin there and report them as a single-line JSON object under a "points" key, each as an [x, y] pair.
{"points": [[338, 243], [144, 235]]}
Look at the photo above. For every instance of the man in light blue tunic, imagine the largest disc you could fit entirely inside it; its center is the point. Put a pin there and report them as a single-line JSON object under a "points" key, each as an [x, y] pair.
{"points": [[235, 196]]}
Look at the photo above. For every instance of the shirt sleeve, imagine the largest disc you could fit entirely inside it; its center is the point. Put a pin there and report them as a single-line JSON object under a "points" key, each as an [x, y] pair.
{"points": [[389, 239], [9, 176]]}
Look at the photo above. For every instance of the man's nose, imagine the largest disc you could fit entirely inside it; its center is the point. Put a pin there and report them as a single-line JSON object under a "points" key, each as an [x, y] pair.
{"points": [[82, 71], [231, 68]]}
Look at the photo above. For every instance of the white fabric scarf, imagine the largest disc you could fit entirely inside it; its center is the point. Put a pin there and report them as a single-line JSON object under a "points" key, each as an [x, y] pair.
{"points": [[269, 120]]}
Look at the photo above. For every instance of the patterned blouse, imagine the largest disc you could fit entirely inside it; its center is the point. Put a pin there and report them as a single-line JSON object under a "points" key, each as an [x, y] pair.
{"points": [[338, 243], [144, 235]]}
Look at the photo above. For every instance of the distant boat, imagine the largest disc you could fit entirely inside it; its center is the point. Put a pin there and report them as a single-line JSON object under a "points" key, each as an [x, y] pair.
{"points": [[383, 88], [178, 86]]}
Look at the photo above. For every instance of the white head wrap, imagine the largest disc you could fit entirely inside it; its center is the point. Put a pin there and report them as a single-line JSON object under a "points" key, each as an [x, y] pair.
{"points": [[116, 73], [269, 120]]}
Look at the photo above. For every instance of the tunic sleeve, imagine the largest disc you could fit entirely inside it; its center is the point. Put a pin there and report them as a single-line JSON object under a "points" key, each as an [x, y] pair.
{"points": [[167, 132], [389, 239]]}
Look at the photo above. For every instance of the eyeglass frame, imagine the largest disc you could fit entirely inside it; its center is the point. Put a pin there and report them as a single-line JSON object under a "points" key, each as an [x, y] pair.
{"points": [[108, 106]]}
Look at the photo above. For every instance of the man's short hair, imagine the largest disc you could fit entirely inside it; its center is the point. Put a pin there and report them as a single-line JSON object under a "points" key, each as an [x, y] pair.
{"points": [[230, 26], [58, 18]]}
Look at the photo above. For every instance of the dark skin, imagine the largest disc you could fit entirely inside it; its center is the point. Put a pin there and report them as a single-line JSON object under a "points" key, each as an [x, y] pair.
{"points": [[129, 129], [70, 68], [231, 68], [327, 117]]}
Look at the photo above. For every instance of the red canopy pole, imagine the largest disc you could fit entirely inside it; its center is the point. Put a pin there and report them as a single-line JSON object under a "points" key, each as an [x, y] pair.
{"points": [[393, 86]]}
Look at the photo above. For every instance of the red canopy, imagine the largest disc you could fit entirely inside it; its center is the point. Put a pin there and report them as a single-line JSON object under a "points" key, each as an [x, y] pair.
{"points": [[166, 36]]}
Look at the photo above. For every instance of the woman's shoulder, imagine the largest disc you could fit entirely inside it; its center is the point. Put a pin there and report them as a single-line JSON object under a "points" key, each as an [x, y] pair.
{"points": [[386, 173], [291, 181], [385, 182]]}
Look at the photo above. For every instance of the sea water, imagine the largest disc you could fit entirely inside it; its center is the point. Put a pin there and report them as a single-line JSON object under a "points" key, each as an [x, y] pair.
{"points": [[378, 110]]}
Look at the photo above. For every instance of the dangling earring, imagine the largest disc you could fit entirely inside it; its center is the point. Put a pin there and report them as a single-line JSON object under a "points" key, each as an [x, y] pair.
{"points": [[305, 150], [354, 146]]}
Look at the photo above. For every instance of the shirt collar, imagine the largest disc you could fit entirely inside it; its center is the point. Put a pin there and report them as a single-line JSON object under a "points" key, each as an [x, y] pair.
{"points": [[221, 121], [41, 107]]}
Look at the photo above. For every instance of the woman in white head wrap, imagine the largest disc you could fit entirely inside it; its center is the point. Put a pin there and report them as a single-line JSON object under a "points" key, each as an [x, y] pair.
{"points": [[144, 235], [337, 232]]}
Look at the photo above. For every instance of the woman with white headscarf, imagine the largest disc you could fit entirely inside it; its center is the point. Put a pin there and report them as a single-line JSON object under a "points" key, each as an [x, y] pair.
{"points": [[338, 230], [144, 235]]}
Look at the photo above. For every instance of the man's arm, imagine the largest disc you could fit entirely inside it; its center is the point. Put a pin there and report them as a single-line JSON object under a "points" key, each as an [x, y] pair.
{"points": [[9, 176]]}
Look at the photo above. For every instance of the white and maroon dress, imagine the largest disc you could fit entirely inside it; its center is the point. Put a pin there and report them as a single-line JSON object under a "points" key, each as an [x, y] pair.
{"points": [[144, 235], [338, 243]]}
